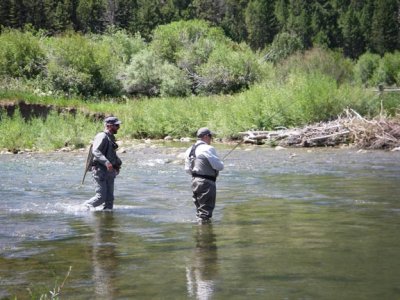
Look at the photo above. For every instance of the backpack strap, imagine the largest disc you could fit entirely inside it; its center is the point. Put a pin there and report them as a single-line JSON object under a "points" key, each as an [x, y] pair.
{"points": [[193, 150]]}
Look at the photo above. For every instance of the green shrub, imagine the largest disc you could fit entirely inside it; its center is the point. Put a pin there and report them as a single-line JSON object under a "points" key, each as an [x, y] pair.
{"points": [[318, 60], [83, 66], [142, 76], [20, 54], [365, 67], [149, 75], [174, 82], [388, 70], [173, 41], [69, 80], [228, 69], [122, 45], [284, 45]]}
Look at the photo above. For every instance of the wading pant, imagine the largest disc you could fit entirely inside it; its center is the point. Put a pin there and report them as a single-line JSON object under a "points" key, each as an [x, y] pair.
{"points": [[204, 194], [104, 187]]}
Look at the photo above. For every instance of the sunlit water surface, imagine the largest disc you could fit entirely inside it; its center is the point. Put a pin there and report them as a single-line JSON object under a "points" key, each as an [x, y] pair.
{"points": [[291, 224]]}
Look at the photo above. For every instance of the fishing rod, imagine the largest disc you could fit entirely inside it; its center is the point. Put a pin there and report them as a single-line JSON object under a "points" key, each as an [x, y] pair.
{"points": [[89, 161], [251, 135], [237, 145]]}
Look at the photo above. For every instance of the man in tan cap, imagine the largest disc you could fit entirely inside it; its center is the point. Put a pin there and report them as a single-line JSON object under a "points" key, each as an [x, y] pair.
{"points": [[202, 162], [106, 164]]}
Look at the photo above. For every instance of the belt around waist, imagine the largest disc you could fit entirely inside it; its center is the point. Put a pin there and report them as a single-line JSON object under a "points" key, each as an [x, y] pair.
{"points": [[212, 178]]}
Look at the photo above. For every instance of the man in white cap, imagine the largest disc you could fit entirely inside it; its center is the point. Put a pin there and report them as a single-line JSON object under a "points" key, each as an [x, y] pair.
{"points": [[106, 164], [202, 162]]}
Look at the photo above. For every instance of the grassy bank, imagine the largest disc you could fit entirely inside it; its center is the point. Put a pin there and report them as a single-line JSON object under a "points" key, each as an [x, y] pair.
{"points": [[300, 100]]}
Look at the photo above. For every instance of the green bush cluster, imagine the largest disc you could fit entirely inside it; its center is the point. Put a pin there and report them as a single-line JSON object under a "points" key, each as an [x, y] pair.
{"points": [[86, 65], [327, 62], [21, 54], [195, 76], [372, 70], [191, 57], [183, 58]]}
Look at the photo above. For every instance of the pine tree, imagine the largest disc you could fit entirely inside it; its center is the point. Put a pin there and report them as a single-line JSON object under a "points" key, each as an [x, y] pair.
{"points": [[37, 15], [90, 15], [299, 20], [210, 10], [234, 22], [385, 26], [182, 8], [353, 39], [367, 13], [126, 13], [17, 14], [5, 6], [261, 23], [148, 17], [324, 24], [282, 14], [62, 16]]}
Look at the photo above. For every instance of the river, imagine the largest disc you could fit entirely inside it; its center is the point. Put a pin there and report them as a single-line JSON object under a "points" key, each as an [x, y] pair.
{"points": [[290, 224]]}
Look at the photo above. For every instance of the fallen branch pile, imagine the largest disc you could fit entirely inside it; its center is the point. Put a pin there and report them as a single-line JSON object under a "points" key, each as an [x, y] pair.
{"points": [[348, 128]]}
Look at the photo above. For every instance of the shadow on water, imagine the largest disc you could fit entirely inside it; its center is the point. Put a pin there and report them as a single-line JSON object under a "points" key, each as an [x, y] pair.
{"points": [[292, 224]]}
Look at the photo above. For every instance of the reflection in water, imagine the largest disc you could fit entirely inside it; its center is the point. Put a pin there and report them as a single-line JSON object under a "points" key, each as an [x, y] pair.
{"points": [[104, 255], [202, 268]]}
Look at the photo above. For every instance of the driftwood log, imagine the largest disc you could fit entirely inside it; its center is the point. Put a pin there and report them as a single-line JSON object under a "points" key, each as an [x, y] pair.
{"points": [[349, 128]]}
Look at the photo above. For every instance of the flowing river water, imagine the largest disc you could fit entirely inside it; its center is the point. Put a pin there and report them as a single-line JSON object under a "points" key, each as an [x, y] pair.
{"points": [[290, 224]]}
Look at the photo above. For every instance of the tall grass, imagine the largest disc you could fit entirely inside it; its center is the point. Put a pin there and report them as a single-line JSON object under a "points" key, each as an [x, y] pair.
{"points": [[54, 132]]}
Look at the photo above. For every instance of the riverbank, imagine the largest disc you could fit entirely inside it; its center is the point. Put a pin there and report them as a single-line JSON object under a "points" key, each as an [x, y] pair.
{"points": [[39, 127], [350, 128]]}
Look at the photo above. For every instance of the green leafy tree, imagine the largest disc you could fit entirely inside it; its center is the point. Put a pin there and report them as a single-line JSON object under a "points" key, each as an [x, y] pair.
{"points": [[388, 71], [84, 66], [172, 42]]}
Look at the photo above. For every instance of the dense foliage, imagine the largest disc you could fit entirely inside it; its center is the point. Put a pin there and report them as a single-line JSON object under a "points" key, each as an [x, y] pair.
{"points": [[355, 26], [234, 65], [183, 58]]}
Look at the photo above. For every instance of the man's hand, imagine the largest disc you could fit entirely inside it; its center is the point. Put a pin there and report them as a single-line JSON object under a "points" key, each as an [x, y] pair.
{"points": [[109, 166]]}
